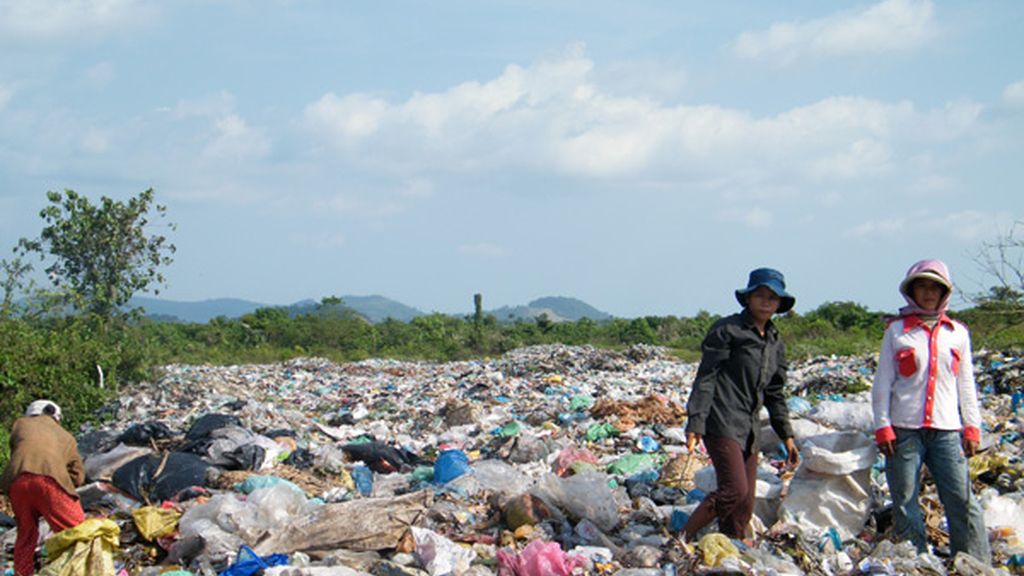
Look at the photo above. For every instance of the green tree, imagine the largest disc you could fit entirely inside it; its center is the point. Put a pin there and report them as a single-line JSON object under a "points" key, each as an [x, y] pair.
{"points": [[101, 254], [13, 281], [845, 315]]}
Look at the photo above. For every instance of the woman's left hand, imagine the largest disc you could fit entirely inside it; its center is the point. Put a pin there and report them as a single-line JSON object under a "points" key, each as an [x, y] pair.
{"points": [[792, 454], [970, 447]]}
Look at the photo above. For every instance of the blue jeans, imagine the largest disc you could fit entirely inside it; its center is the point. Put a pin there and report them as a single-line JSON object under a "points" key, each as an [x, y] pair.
{"points": [[941, 451]]}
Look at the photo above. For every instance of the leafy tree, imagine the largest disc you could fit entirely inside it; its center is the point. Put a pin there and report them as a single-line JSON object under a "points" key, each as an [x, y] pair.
{"points": [[102, 254], [328, 301], [14, 278], [845, 315]]}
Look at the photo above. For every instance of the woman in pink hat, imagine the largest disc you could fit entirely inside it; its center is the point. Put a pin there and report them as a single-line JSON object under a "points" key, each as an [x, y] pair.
{"points": [[926, 411]]}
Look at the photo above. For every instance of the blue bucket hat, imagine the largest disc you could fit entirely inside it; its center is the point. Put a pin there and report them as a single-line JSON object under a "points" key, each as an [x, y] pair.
{"points": [[775, 282]]}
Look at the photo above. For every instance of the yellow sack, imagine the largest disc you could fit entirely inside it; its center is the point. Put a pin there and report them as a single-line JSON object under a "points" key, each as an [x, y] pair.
{"points": [[154, 522], [85, 550], [716, 548]]}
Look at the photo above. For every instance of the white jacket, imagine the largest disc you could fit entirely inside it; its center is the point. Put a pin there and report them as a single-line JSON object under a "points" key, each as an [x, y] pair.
{"points": [[925, 379]]}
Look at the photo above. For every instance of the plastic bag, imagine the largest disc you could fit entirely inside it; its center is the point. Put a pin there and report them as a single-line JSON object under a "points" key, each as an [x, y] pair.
{"points": [[253, 483], [571, 455], [155, 478], [1003, 511], [153, 522], [101, 466], [715, 548], [84, 550], [501, 478], [439, 555], [449, 465], [277, 505], [844, 415], [248, 562], [539, 558], [582, 496]]}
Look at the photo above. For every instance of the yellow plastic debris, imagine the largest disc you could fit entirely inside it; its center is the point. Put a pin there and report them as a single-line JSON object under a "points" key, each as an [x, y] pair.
{"points": [[554, 379], [154, 522], [716, 548], [982, 463], [85, 550]]}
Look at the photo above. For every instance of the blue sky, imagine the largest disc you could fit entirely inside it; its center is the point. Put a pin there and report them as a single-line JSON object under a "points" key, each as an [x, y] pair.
{"points": [[641, 156]]}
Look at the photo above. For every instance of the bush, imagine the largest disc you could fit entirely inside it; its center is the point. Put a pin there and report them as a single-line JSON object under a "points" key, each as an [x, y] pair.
{"points": [[60, 359]]}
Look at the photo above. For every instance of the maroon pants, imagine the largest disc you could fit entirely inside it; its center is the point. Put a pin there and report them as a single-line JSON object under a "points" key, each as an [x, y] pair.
{"points": [[733, 501], [33, 496]]}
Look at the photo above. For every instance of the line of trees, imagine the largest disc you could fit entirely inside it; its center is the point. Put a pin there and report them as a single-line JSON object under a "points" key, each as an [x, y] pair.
{"points": [[74, 341]]}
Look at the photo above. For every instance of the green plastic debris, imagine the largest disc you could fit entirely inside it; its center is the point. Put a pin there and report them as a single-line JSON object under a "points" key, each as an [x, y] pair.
{"points": [[600, 431], [423, 474], [581, 402], [632, 463], [511, 429], [579, 467]]}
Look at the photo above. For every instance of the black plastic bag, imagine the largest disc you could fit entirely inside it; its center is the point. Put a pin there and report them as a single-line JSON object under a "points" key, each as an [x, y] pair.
{"points": [[155, 478]]}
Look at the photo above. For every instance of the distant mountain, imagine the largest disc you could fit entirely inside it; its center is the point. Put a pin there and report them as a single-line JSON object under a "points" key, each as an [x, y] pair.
{"points": [[378, 308], [199, 312], [557, 309], [373, 308]]}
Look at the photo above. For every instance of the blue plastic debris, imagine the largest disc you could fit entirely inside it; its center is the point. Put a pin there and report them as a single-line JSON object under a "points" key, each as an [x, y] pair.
{"points": [[678, 520], [363, 477]]}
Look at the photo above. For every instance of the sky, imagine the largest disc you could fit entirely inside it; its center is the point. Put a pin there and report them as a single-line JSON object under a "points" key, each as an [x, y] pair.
{"points": [[641, 156]]}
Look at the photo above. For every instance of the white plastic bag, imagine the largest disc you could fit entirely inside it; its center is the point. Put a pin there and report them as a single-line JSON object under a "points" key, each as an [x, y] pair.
{"points": [[582, 496]]}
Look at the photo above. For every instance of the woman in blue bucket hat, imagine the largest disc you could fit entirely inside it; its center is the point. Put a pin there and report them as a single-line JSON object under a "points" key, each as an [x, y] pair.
{"points": [[742, 368]]}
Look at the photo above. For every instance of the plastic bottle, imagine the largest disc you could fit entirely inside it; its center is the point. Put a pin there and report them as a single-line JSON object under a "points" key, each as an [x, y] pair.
{"points": [[363, 477]]}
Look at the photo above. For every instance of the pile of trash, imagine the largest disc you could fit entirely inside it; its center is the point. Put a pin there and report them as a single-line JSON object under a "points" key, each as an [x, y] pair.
{"points": [[551, 460]]}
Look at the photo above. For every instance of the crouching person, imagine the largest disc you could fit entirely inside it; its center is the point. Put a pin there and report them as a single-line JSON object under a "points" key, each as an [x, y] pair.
{"points": [[40, 479]]}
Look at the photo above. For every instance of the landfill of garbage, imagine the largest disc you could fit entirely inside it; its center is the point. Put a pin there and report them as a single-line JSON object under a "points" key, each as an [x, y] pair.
{"points": [[551, 460]]}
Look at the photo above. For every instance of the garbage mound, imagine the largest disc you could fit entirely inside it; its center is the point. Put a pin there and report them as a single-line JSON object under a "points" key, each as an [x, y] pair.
{"points": [[549, 460]]}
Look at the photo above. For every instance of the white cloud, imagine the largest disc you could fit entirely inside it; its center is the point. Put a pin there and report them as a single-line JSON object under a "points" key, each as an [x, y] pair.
{"points": [[889, 26], [235, 139], [550, 117], [99, 75], [54, 20], [364, 204], [964, 225], [348, 119], [655, 79], [325, 240], [482, 249], [755, 217], [210, 106], [95, 141], [881, 227], [1013, 95], [860, 158], [6, 93], [417, 189]]}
